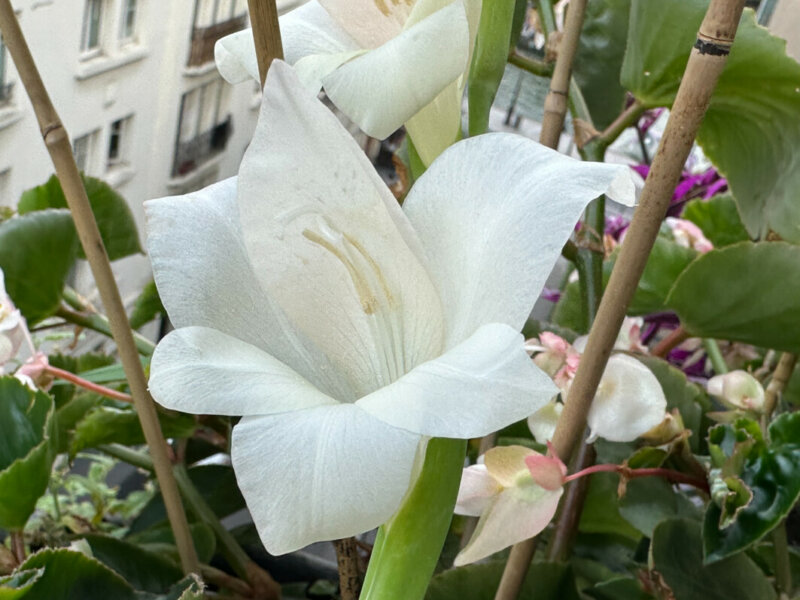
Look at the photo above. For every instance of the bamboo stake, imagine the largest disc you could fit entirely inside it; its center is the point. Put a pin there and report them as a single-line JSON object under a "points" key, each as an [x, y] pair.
{"points": [[778, 382], [349, 575], [705, 64], [58, 145], [266, 34], [555, 104]]}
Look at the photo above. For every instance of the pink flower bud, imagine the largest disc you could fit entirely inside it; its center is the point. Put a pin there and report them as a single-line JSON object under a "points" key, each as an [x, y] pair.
{"points": [[738, 390]]}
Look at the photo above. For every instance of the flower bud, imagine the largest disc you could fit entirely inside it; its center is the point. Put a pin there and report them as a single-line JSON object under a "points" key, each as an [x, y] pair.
{"points": [[738, 390]]}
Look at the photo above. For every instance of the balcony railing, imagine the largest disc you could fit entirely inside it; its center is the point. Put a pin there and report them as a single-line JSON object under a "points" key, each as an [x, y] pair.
{"points": [[5, 92], [191, 154], [204, 38]]}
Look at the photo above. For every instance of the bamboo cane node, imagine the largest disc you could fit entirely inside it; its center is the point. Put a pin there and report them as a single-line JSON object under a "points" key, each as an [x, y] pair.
{"points": [[50, 129], [713, 48]]}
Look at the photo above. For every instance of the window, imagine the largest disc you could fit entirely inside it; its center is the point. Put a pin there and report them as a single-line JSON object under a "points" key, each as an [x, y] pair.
{"points": [[92, 18], [128, 23], [5, 189], [204, 126], [83, 149], [5, 89], [118, 137]]}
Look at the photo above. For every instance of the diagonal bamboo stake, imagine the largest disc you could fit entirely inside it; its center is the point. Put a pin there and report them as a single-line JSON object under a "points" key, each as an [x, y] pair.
{"points": [[555, 104], [266, 34], [58, 145], [705, 65]]}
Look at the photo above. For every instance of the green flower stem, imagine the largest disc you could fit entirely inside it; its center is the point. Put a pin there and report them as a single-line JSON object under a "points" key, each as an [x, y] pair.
{"points": [[408, 546], [714, 354], [533, 66], [489, 61], [83, 317], [783, 570]]}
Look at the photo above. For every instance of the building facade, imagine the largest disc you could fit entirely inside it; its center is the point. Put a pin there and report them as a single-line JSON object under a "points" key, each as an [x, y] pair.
{"points": [[136, 87]]}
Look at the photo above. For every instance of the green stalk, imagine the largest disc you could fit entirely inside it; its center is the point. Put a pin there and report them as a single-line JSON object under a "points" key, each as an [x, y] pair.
{"points": [[489, 61], [408, 547], [714, 354]]}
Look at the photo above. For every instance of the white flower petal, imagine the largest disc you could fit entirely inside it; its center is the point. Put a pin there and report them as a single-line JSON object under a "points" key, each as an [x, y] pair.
{"points": [[515, 515], [473, 389], [506, 464], [213, 283], [384, 88], [543, 422], [203, 371], [7, 350], [306, 31], [320, 474], [476, 491], [329, 243], [493, 212], [370, 22], [628, 403]]}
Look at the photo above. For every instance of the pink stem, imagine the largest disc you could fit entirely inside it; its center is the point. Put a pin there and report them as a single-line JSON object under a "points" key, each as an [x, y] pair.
{"points": [[87, 385], [628, 473]]}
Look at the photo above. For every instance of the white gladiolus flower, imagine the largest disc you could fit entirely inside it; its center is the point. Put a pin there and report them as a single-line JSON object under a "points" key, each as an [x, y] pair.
{"points": [[515, 492], [11, 325], [383, 63], [345, 329]]}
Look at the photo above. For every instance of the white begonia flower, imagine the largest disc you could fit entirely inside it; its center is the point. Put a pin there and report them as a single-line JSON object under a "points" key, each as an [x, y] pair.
{"points": [[383, 63], [345, 329], [11, 325], [629, 400], [515, 492], [738, 390]]}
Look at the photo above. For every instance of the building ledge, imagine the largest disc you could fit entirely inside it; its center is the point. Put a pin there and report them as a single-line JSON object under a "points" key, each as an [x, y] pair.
{"points": [[100, 64], [119, 175], [179, 183], [201, 70]]}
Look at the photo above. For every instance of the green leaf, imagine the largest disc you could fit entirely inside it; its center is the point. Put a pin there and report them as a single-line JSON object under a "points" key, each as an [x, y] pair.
{"points": [[751, 131], [718, 218], [161, 540], [114, 217], [148, 306], [143, 570], [106, 425], [188, 588], [489, 61], [36, 253], [544, 581], [27, 429], [69, 575], [16, 585], [771, 472], [599, 59], [666, 262], [601, 509], [567, 312], [677, 555], [623, 588], [689, 398], [748, 292], [650, 500]]}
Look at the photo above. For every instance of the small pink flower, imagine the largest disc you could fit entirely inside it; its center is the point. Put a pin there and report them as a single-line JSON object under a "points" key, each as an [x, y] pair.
{"points": [[689, 235]]}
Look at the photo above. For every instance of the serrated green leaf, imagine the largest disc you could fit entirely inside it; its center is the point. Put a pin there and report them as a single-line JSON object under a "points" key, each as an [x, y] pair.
{"points": [[106, 425], [599, 58], [144, 570], [27, 430], [544, 581], [113, 216], [747, 292], [36, 253], [16, 585], [147, 307], [69, 575], [750, 131], [772, 473], [718, 218]]}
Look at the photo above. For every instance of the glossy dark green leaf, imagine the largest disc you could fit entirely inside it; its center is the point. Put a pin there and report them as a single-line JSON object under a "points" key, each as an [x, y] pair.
{"points": [[747, 292], [114, 217], [145, 571], [677, 555], [650, 500], [544, 581], [489, 60], [106, 425], [27, 429], [689, 398], [751, 131], [601, 509], [599, 59], [36, 253], [666, 262], [69, 575], [718, 218], [772, 473], [147, 307]]}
